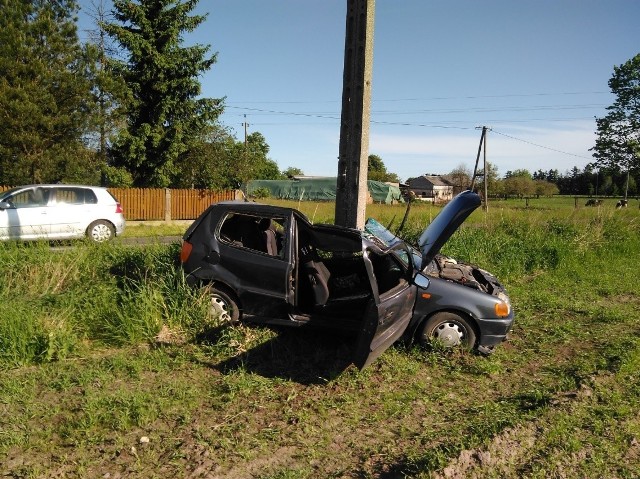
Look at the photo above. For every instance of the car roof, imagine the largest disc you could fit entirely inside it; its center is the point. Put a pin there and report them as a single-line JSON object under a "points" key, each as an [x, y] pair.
{"points": [[58, 185], [260, 208], [102, 193]]}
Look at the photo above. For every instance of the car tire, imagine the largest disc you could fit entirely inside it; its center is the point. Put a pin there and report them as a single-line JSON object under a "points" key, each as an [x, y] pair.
{"points": [[448, 330], [100, 231], [223, 305]]}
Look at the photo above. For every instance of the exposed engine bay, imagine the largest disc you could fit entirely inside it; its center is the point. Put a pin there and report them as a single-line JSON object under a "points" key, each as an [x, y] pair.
{"points": [[466, 274]]}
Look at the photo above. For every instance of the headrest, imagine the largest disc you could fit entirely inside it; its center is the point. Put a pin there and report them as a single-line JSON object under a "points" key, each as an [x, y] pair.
{"points": [[264, 224]]}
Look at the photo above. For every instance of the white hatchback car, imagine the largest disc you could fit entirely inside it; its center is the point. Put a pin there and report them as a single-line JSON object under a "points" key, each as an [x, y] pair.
{"points": [[59, 212]]}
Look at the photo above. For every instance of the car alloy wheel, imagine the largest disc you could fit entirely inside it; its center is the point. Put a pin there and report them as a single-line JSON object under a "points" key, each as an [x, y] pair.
{"points": [[100, 231]]}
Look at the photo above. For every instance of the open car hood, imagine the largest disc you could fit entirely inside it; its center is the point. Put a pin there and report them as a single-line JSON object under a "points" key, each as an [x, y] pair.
{"points": [[446, 223]]}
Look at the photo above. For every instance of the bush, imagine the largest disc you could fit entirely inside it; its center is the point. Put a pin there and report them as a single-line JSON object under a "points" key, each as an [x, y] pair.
{"points": [[261, 193]]}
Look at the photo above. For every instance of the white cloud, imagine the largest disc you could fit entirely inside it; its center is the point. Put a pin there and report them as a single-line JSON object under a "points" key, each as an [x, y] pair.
{"points": [[552, 146]]}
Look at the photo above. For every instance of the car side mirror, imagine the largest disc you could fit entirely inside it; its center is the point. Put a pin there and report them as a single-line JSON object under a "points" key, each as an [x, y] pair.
{"points": [[4, 205], [421, 281]]}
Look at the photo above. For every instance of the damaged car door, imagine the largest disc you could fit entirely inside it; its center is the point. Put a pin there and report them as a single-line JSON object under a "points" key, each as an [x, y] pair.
{"points": [[390, 310], [254, 258]]}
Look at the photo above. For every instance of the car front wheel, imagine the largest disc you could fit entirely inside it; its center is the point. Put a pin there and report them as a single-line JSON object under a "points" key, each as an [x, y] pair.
{"points": [[224, 306], [100, 231], [447, 330]]}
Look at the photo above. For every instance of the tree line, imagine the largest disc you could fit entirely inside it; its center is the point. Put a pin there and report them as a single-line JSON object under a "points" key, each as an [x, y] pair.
{"points": [[124, 108], [592, 181], [589, 181]]}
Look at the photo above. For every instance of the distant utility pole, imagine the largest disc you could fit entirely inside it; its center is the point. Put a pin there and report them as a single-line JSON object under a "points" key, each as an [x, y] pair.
{"points": [[246, 125], [486, 174], [483, 142], [353, 157]]}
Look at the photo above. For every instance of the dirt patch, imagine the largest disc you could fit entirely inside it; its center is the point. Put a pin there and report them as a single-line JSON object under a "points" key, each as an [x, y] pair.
{"points": [[508, 448], [625, 299], [514, 451], [280, 458], [169, 336]]}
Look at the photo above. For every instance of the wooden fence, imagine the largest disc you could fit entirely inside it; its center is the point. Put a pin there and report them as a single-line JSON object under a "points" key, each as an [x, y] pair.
{"points": [[165, 204]]}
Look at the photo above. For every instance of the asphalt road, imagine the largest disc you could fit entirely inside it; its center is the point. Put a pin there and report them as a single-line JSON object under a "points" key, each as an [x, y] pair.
{"points": [[149, 240]]}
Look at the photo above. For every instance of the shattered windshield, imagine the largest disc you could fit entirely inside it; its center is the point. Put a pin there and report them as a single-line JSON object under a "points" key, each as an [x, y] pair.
{"points": [[384, 238]]}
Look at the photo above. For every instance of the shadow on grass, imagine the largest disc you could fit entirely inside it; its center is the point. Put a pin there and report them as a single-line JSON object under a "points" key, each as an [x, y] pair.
{"points": [[304, 356]]}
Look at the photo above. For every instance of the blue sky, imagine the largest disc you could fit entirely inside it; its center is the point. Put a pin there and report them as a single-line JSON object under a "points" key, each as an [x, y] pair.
{"points": [[535, 72]]}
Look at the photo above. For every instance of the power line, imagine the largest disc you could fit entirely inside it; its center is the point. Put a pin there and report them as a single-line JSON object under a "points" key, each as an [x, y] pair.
{"points": [[326, 117], [275, 112], [468, 97], [421, 125], [334, 116], [493, 109], [330, 121], [541, 146]]}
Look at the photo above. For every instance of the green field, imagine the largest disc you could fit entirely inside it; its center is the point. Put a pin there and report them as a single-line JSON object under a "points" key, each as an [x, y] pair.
{"points": [[109, 366]]}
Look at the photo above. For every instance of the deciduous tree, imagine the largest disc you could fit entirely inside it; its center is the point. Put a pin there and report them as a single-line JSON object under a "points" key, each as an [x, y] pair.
{"points": [[545, 188], [618, 132], [378, 171], [494, 185], [519, 183], [292, 171], [220, 161], [520, 173], [460, 176]]}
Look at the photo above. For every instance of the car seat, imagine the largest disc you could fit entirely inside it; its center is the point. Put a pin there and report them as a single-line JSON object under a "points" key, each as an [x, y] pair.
{"points": [[318, 274], [268, 236]]}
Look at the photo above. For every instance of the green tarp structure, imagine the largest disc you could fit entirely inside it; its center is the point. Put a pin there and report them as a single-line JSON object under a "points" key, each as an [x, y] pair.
{"points": [[320, 189], [384, 193]]}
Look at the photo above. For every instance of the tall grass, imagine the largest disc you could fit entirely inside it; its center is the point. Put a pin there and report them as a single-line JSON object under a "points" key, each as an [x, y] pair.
{"points": [[55, 303]]}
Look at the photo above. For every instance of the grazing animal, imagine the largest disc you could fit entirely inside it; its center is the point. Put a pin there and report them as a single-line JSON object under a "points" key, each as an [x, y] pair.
{"points": [[622, 204], [594, 202]]}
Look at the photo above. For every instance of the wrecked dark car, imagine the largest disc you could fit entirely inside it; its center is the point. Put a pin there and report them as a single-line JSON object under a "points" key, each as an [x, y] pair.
{"points": [[269, 264]]}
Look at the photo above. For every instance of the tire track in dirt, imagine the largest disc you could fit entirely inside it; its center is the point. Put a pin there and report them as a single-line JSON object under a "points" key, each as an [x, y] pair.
{"points": [[514, 452]]}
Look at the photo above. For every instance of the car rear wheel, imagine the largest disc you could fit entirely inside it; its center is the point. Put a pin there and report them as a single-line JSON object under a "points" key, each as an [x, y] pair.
{"points": [[447, 330], [100, 231], [223, 306]]}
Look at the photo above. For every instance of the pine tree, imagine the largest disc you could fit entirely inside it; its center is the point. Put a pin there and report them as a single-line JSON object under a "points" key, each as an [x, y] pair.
{"points": [[165, 117], [44, 94]]}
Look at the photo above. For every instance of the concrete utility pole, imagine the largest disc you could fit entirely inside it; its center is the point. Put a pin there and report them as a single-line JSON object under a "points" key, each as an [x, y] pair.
{"points": [[486, 175], [483, 141], [353, 158]]}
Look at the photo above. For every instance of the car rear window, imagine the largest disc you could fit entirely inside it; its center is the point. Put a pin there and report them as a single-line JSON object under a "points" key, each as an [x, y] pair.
{"points": [[259, 233], [76, 196], [115, 200]]}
